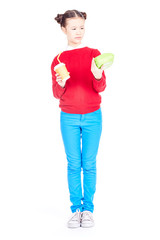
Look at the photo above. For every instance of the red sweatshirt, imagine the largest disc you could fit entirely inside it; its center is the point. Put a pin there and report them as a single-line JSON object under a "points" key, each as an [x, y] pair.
{"points": [[81, 92]]}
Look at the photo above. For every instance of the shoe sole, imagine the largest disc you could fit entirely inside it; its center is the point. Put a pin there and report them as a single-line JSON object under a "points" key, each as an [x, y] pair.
{"points": [[87, 225], [73, 226]]}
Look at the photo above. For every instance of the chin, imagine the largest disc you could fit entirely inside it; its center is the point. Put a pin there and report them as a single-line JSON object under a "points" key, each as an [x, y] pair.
{"points": [[78, 41]]}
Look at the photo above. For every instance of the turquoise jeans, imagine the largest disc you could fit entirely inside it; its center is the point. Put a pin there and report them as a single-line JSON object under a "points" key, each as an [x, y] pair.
{"points": [[81, 135]]}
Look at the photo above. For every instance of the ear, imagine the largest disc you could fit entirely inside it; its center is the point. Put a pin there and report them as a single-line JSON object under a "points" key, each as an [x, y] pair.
{"points": [[64, 30]]}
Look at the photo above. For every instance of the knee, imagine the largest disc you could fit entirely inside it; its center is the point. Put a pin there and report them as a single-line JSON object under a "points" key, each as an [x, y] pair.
{"points": [[89, 166], [74, 167]]}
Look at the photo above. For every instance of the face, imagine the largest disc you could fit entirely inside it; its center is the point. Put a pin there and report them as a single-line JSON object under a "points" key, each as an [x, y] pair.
{"points": [[74, 30]]}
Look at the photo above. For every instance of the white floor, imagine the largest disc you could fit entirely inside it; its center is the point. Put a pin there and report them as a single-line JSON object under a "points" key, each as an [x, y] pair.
{"points": [[36, 205], [34, 199], [50, 223]]}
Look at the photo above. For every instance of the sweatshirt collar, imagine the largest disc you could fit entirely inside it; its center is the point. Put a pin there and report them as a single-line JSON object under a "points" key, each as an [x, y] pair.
{"points": [[71, 48]]}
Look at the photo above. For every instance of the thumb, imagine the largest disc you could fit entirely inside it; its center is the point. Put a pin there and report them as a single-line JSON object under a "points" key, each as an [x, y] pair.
{"points": [[102, 68]]}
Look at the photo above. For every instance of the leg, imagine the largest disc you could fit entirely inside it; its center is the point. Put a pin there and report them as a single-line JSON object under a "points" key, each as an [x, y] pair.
{"points": [[91, 133], [70, 131]]}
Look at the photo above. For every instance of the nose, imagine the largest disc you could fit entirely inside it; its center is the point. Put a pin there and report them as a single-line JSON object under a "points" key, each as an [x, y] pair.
{"points": [[78, 31]]}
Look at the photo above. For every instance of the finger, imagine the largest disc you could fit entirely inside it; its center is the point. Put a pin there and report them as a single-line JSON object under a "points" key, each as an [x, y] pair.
{"points": [[58, 80], [93, 64], [102, 68], [57, 75]]}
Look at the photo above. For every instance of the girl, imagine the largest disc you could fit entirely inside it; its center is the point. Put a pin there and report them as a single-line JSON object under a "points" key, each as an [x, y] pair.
{"points": [[80, 116]]}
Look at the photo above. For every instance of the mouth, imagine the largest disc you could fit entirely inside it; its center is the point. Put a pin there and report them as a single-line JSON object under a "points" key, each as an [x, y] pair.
{"points": [[77, 37]]}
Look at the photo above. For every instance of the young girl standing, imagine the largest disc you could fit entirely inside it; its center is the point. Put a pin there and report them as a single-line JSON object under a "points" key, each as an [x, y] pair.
{"points": [[80, 116]]}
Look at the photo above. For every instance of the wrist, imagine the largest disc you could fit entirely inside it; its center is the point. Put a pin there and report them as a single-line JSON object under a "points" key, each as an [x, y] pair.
{"points": [[63, 85], [98, 77]]}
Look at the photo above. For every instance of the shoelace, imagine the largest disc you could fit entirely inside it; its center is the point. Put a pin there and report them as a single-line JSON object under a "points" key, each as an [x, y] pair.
{"points": [[76, 215], [87, 215]]}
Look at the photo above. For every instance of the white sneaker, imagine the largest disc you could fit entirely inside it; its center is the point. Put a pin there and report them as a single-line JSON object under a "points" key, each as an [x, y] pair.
{"points": [[75, 220], [87, 219]]}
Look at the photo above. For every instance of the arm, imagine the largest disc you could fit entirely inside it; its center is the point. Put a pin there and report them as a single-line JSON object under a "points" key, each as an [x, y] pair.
{"points": [[58, 91], [99, 78]]}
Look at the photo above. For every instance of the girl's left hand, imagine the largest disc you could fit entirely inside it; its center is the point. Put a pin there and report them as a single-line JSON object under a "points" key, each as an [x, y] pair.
{"points": [[96, 71]]}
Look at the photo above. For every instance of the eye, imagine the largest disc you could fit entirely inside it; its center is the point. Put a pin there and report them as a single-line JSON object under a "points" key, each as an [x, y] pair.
{"points": [[74, 29]]}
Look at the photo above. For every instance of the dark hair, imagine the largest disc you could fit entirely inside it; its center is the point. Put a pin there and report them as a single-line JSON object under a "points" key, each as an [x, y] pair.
{"points": [[61, 18]]}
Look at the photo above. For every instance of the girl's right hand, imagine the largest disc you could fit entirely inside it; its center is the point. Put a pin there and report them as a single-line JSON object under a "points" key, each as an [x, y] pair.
{"points": [[59, 80]]}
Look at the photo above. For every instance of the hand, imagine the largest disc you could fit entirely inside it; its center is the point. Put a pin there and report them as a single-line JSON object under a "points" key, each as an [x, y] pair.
{"points": [[96, 71], [60, 81]]}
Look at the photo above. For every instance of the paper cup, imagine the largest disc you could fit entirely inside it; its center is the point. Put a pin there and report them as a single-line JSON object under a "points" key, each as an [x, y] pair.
{"points": [[62, 71]]}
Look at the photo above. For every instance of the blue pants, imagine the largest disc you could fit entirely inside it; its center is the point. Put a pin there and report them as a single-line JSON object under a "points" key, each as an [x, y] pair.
{"points": [[81, 135]]}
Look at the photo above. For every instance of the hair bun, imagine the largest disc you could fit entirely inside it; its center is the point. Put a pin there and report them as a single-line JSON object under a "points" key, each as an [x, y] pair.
{"points": [[84, 15], [59, 18]]}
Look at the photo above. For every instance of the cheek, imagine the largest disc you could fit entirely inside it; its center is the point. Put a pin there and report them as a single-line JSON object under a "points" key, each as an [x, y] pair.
{"points": [[72, 34]]}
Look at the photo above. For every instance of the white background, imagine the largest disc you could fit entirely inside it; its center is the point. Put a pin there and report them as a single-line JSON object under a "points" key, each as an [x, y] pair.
{"points": [[34, 202]]}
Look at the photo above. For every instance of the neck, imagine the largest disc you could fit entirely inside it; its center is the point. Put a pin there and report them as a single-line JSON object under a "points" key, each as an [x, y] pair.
{"points": [[74, 44]]}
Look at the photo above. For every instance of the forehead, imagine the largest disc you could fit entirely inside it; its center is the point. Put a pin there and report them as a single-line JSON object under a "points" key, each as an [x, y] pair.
{"points": [[75, 21]]}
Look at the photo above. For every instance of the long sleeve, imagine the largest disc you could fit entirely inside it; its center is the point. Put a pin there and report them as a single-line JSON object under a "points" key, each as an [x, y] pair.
{"points": [[81, 92], [99, 84], [58, 91]]}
